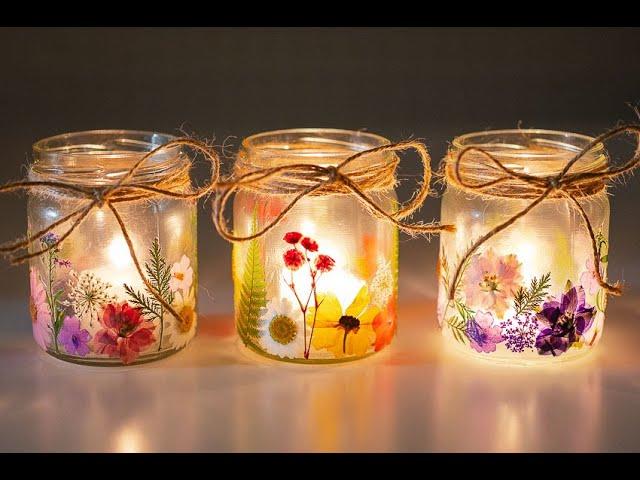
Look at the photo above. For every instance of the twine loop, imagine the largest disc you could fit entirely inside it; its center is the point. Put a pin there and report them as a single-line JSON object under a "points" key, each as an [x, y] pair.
{"points": [[124, 190], [564, 184], [303, 180]]}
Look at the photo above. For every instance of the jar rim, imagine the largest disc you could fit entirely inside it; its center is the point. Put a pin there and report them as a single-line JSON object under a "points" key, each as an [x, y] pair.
{"points": [[465, 140], [330, 143], [102, 156]]}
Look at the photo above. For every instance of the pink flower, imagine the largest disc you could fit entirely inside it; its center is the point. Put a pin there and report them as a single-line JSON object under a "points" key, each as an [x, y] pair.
{"points": [[39, 309], [293, 259], [292, 237], [491, 281], [588, 279], [324, 263], [309, 244], [125, 334], [482, 335]]}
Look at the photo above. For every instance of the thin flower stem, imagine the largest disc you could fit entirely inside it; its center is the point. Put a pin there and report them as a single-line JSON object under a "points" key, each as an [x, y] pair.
{"points": [[302, 309], [315, 313]]}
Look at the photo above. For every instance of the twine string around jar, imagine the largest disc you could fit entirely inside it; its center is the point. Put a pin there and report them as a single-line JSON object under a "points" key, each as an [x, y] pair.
{"points": [[563, 184], [311, 179], [124, 190]]}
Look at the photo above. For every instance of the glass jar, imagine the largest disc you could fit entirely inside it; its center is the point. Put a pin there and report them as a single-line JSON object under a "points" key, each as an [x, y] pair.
{"points": [[321, 286], [529, 293], [88, 302]]}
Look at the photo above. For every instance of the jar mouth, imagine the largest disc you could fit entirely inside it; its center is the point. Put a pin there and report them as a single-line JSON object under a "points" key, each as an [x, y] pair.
{"points": [[535, 151], [99, 157], [322, 146]]}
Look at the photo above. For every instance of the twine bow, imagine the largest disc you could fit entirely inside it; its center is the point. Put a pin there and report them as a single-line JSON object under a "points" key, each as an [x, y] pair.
{"points": [[311, 179], [124, 190], [564, 184]]}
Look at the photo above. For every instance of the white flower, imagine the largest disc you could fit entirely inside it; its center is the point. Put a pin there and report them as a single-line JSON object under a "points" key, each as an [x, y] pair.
{"points": [[382, 284], [181, 275], [281, 329], [179, 333], [88, 295]]}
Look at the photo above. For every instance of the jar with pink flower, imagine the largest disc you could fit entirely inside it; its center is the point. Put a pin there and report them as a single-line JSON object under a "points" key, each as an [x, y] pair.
{"points": [[89, 303], [321, 285], [517, 278]]}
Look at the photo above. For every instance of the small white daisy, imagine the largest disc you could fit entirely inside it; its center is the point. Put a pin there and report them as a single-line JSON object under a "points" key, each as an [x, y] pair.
{"points": [[179, 333], [181, 275], [281, 329]]}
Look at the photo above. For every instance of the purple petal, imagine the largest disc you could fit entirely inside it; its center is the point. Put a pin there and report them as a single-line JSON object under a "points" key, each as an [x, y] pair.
{"points": [[570, 301]]}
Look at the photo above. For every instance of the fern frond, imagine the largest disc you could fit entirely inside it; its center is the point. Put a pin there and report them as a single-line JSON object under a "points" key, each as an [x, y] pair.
{"points": [[149, 307], [526, 300]]}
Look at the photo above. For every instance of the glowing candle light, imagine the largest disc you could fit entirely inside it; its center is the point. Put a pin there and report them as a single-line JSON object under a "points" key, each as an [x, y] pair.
{"points": [[89, 303], [528, 294], [320, 286]]}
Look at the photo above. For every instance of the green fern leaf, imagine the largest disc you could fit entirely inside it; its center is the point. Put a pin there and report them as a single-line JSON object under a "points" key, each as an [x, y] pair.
{"points": [[252, 295]]}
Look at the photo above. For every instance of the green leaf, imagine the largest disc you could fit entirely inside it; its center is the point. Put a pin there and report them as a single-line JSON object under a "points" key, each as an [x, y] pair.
{"points": [[159, 272], [148, 305], [604, 258], [527, 300], [252, 295], [458, 328]]}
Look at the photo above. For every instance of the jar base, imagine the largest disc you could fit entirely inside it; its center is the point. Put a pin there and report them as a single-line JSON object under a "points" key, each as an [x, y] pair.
{"points": [[113, 362], [264, 357], [514, 361]]}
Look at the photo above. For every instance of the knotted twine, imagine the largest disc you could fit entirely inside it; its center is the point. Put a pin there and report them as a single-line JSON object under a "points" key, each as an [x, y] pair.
{"points": [[303, 179], [124, 190], [564, 184]]}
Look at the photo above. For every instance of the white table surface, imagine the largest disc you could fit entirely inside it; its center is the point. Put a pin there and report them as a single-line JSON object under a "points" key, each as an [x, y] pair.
{"points": [[413, 397]]}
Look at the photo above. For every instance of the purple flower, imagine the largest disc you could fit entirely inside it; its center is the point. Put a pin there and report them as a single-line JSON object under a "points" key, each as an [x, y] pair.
{"points": [[520, 332], [72, 338], [50, 238], [563, 322], [482, 336], [63, 263]]}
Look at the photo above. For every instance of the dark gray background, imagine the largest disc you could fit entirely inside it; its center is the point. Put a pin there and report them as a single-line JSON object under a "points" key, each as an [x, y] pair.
{"points": [[430, 83]]}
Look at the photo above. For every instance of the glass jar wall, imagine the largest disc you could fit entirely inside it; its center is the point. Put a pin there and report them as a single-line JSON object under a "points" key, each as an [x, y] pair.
{"points": [[529, 293], [321, 286], [88, 302]]}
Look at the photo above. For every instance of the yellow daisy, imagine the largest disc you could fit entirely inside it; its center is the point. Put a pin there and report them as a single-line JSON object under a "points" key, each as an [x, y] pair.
{"points": [[344, 332]]}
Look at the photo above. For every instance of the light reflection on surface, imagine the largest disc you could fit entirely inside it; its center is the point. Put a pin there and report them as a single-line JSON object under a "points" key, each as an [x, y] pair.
{"points": [[414, 397]]}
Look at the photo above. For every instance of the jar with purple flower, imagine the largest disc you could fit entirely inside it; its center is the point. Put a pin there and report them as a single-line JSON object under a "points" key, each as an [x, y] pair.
{"points": [[517, 278], [89, 301]]}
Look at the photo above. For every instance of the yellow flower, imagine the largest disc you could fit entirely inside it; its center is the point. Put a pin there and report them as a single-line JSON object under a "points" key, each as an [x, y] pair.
{"points": [[347, 332]]}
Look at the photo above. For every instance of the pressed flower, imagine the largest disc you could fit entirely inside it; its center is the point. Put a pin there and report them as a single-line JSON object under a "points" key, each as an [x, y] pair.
{"points": [[520, 332], [293, 259], [39, 310], [181, 275], [588, 279], [382, 284], [281, 329], [309, 244], [563, 322], [73, 338], [88, 295], [384, 325], [324, 263], [125, 333], [179, 332], [292, 237], [491, 280], [49, 238], [483, 336], [344, 332]]}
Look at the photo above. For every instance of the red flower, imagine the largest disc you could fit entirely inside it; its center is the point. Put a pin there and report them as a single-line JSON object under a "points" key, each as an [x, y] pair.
{"points": [[309, 244], [324, 263], [292, 237], [125, 333], [293, 259]]}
